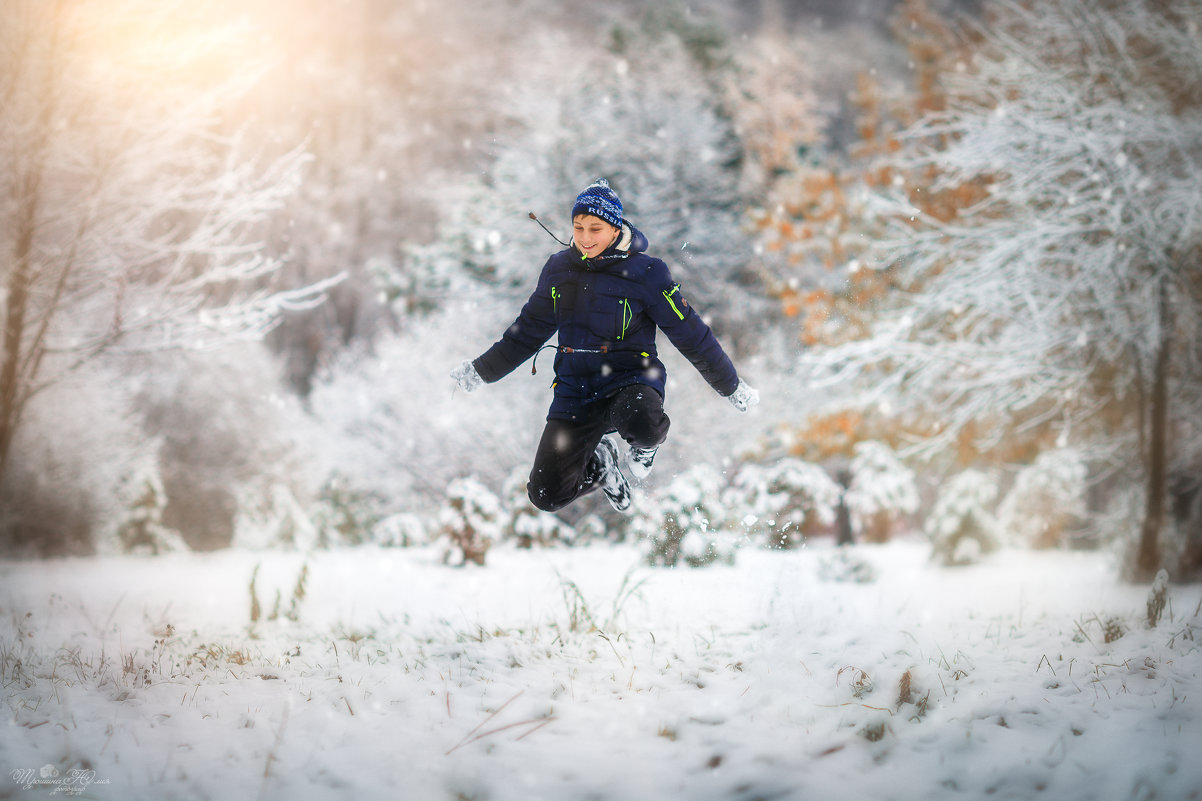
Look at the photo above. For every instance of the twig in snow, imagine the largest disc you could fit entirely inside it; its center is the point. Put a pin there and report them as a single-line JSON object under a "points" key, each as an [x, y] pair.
{"points": [[853, 703], [544, 722], [497, 711], [539, 721]]}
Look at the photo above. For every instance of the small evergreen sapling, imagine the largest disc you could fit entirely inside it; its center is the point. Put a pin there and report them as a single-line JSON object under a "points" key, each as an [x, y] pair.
{"points": [[344, 514], [401, 530], [275, 519], [1047, 495], [783, 501], [960, 526], [471, 520], [685, 522], [142, 530], [882, 491]]}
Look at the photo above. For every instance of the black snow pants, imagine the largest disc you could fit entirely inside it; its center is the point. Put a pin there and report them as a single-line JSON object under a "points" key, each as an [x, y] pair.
{"points": [[564, 465]]}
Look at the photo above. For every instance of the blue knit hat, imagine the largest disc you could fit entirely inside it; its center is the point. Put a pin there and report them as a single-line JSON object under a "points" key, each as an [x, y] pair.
{"points": [[600, 201]]}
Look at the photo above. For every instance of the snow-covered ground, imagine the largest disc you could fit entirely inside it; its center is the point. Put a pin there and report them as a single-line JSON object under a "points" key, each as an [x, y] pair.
{"points": [[581, 674]]}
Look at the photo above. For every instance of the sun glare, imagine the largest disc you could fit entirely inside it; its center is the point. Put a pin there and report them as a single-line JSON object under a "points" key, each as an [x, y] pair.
{"points": [[153, 58]]}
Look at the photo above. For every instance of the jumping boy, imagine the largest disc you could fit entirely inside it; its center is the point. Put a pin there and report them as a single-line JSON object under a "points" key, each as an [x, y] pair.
{"points": [[606, 297]]}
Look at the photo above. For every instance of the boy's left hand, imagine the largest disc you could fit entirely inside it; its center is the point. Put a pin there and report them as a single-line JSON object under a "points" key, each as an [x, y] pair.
{"points": [[744, 396], [466, 376]]}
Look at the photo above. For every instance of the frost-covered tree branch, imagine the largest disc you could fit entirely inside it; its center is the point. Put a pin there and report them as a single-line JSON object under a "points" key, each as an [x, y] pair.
{"points": [[129, 220], [1044, 295]]}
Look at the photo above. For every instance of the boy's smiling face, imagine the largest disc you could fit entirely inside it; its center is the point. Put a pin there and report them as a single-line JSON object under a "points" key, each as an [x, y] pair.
{"points": [[593, 235]]}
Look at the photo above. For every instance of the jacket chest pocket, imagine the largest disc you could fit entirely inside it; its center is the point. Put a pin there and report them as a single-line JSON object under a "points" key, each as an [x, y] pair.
{"points": [[613, 317], [566, 303], [602, 309]]}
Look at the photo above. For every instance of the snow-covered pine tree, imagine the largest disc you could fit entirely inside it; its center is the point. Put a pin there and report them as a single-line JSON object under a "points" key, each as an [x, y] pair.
{"points": [[782, 502], [1046, 498], [685, 522], [400, 530], [470, 520], [142, 529], [882, 492], [961, 526], [345, 515]]}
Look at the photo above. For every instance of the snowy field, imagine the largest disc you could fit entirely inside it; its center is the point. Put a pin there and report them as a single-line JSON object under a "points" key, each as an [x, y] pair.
{"points": [[581, 674]]}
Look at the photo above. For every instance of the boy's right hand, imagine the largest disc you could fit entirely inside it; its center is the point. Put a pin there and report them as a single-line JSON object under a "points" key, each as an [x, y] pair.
{"points": [[466, 376]]}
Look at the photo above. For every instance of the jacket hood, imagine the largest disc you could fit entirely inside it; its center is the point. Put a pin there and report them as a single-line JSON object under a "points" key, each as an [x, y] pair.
{"points": [[632, 239]]}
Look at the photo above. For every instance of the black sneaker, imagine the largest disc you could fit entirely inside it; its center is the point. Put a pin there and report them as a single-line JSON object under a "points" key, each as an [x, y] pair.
{"points": [[640, 462], [609, 475]]}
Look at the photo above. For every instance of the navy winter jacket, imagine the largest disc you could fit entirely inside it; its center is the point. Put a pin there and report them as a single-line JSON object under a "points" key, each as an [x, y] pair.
{"points": [[606, 311]]}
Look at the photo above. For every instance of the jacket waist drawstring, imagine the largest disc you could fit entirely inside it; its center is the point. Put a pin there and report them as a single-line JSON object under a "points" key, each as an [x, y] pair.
{"points": [[567, 349]]}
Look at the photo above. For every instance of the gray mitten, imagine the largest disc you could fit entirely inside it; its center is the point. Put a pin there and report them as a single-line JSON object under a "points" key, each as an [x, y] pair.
{"points": [[744, 397], [466, 376]]}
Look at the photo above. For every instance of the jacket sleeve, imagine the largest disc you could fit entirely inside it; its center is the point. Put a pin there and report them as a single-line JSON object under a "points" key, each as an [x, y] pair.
{"points": [[688, 332], [533, 327]]}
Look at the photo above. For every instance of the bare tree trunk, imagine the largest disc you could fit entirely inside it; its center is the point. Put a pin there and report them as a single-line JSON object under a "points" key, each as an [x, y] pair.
{"points": [[14, 380], [843, 530], [1148, 560], [16, 306]]}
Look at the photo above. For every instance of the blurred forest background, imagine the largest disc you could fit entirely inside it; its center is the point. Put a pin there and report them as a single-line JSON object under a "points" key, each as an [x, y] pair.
{"points": [[955, 245]]}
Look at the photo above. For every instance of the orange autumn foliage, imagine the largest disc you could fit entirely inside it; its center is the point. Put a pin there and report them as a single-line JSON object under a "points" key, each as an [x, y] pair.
{"points": [[815, 221]]}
